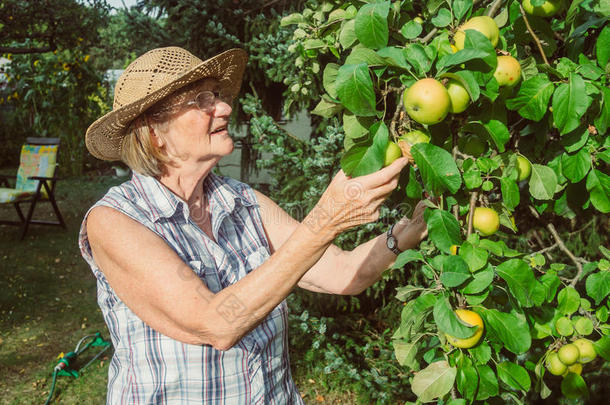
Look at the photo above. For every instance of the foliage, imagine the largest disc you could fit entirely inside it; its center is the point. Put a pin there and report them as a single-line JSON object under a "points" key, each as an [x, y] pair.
{"points": [[55, 94], [28, 27], [556, 117]]}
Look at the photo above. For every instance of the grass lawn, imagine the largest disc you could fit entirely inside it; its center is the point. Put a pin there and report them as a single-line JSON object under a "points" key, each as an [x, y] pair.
{"points": [[48, 304]]}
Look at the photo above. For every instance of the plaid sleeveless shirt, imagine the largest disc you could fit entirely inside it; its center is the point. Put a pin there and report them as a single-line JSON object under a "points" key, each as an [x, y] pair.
{"points": [[150, 368]]}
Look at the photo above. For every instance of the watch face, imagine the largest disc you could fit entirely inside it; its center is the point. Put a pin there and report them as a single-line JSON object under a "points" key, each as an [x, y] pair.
{"points": [[391, 243]]}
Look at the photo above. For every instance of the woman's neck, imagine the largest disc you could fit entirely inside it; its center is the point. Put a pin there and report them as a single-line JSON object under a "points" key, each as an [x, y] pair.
{"points": [[187, 183]]}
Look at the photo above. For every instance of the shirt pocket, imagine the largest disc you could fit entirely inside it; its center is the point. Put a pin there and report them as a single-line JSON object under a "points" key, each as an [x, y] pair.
{"points": [[207, 274], [255, 259]]}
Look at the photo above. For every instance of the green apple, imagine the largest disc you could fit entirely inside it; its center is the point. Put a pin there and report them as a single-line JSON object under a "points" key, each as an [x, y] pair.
{"points": [[508, 71], [548, 9], [472, 145], [486, 220], [418, 20], [554, 365], [586, 350], [524, 168], [484, 24], [392, 153], [427, 101], [575, 368], [416, 136], [568, 354], [458, 95]]}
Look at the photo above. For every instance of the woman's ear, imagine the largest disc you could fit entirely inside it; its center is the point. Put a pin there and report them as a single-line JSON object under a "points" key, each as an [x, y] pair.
{"points": [[156, 140]]}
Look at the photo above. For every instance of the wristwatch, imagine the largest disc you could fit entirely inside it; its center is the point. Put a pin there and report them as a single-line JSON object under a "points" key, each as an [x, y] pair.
{"points": [[391, 241]]}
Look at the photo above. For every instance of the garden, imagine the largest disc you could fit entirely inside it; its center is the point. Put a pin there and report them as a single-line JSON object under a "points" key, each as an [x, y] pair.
{"points": [[502, 108]]}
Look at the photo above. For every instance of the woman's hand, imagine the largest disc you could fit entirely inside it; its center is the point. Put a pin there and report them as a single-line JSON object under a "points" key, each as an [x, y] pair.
{"points": [[410, 232], [348, 202]]}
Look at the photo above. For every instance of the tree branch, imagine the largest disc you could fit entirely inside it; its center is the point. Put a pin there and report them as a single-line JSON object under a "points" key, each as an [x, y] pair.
{"points": [[473, 200], [533, 34], [494, 7], [429, 36], [397, 112], [576, 260]]}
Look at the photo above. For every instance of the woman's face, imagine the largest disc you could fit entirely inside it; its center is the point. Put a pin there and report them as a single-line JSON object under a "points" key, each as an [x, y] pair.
{"points": [[193, 135]]}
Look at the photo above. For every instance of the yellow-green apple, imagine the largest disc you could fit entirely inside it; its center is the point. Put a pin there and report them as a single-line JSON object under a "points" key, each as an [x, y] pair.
{"points": [[459, 96], [427, 101], [524, 168], [484, 24], [508, 71], [392, 153], [568, 354], [486, 220], [548, 9], [585, 349], [554, 365]]}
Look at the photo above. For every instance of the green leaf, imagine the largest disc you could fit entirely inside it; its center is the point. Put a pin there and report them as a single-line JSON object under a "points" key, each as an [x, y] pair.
{"points": [[598, 286], [510, 193], [361, 160], [583, 326], [394, 56], [568, 301], [442, 18], [488, 383], [481, 352], [347, 36], [461, 8], [574, 386], [413, 189], [467, 380], [418, 58], [405, 353], [329, 79], [293, 18], [327, 108], [575, 167], [564, 326], [602, 122], [464, 55], [532, 100], [602, 347], [543, 182], [570, 102], [448, 322], [437, 167], [603, 46], [434, 381], [407, 256], [355, 89], [509, 329], [356, 127], [372, 24], [443, 229], [520, 280], [454, 271], [475, 257], [598, 185], [498, 132], [361, 54], [411, 30], [514, 376], [482, 280]]}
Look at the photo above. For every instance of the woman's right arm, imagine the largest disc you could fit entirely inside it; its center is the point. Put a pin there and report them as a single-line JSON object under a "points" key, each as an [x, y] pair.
{"points": [[164, 292]]}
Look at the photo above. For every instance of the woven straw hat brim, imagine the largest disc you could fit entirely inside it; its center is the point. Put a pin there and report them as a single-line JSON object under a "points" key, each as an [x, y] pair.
{"points": [[104, 137]]}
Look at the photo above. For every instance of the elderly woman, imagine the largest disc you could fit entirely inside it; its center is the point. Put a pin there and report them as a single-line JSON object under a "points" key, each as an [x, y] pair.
{"points": [[193, 268]]}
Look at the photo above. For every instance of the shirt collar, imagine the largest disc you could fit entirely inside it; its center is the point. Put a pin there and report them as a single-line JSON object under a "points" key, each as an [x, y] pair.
{"points": [[223, 194]]}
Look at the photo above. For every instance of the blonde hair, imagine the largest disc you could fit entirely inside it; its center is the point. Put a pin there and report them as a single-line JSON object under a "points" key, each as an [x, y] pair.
{"points": [[138, 150]]}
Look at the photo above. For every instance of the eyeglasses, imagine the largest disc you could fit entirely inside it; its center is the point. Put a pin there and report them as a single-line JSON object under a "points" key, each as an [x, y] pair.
{"points": [[205, 101]]}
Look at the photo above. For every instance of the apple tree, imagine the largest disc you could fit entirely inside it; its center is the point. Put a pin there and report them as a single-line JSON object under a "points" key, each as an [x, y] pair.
{"points": [[503, 108]]}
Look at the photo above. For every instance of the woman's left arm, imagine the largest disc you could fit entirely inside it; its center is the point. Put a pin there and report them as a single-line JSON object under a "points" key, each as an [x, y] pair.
{"points": [[339, 271]]}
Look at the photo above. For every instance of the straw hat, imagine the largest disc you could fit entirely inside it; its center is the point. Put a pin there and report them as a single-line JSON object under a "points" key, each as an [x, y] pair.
{"points": [[152, 77]]}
